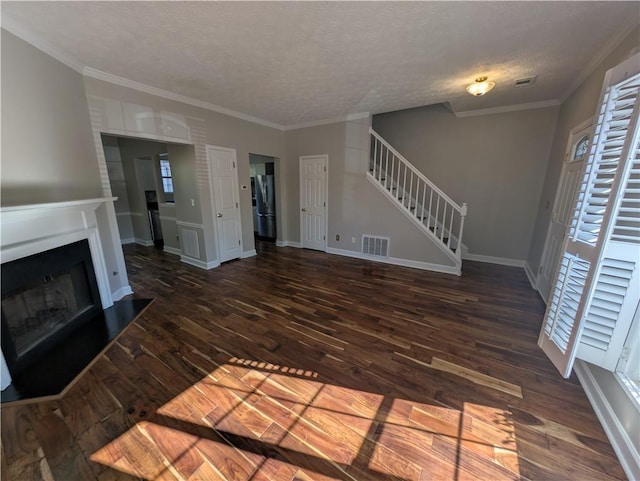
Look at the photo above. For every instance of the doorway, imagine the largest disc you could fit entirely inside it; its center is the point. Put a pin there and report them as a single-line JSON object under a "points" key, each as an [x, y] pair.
{"points": [[263, 197], [313, 202], [563, 205], [140, 176]]}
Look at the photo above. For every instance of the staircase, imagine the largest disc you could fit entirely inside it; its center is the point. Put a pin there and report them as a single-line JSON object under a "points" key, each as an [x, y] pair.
{"points": [[433, 211]]}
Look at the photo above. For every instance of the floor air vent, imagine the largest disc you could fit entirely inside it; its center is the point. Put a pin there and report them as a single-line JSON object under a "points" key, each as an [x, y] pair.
{"points": [[375, 246]]}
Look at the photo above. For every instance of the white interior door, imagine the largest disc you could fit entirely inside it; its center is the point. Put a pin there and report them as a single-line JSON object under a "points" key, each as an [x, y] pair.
{"points": [[562, 208], [226, 202], [313, 202]]}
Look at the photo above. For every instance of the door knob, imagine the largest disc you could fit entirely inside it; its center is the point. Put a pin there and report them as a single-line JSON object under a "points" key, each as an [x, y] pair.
{"points": [[304, 210], [219, 214]]}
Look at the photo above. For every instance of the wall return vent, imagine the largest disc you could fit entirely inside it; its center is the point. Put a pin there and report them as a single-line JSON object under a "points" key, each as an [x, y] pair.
{"points": [[375, 246]]}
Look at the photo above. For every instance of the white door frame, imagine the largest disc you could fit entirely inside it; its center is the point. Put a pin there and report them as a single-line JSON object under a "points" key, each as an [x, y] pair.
{"points": [[213, 199], [574, 136], [326, 196]]}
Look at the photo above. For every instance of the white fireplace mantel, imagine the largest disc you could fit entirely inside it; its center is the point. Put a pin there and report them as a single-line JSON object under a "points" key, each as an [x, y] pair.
{"points": [[30, 229]]}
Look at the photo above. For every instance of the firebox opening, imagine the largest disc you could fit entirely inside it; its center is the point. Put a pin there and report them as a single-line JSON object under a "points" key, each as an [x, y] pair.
{"points": [[45, 297]]}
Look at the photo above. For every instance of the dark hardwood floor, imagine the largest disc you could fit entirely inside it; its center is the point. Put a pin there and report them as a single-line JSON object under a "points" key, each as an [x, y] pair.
{"points": [[298, 365]]}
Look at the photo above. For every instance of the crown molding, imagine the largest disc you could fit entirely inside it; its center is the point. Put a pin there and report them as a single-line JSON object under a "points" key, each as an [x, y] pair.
{"points": [[158, 92], [335, 120], [509, 108], [10, 25], [599, 57]]}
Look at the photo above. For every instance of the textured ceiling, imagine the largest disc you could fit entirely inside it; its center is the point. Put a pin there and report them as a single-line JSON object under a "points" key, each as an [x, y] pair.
{"points": [[296, 62]]}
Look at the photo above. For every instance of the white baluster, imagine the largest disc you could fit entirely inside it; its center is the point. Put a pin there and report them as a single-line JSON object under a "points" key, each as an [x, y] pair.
{"points": [[450, 227], [410, 191], [424, 193], [386, 170], [404, 184]]}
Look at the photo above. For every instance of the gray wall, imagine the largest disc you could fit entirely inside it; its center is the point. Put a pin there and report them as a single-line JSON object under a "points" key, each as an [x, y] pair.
{"points": [[48, 153], [495, 163], [355, 206]]}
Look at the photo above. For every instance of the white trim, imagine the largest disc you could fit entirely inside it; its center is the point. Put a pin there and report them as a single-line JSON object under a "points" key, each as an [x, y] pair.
{"points": [[335, 120], [533, 279], [122, 292], [40, 43], [599, 57], [129, 240], [167, 218], [182, 223], [132, 84], [143, 243], [172, 250], [198, 263], [297, 245], [618, 376], [509, 108], [137, 214], [127, 213], [503, 261], [326, 197], [426, 266], [618, 437], [250, 253]]}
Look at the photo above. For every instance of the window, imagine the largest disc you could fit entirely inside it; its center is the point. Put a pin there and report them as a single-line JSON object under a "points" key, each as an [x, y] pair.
{"points": [[167, 180], [581, 148], [597, 284]]}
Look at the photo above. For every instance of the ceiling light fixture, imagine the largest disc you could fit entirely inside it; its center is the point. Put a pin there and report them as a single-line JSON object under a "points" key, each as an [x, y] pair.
{"points": [[480, 87]]}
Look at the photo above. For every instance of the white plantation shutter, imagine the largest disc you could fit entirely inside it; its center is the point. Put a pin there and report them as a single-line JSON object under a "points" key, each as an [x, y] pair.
{"points": [[597, 285]]}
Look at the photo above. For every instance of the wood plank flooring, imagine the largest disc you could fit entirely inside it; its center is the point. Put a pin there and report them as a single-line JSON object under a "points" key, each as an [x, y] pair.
{"points": [[298, 365]]}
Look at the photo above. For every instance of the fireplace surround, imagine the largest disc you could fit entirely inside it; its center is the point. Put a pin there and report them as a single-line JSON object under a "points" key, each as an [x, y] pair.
{"points": [[29, 230]]}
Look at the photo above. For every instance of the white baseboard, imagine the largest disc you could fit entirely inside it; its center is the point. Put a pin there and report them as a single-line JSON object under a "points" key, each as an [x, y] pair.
{"points": [[503, 261], [198, 263], [533, 279], [130, 240], [280, 243], [120, 293], [172, 250], [142, 242], [618, 437], [250, 253], [396, 261]]}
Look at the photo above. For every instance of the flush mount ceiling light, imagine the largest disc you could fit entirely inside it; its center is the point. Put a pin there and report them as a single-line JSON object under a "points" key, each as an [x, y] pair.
{"points": [[480, 87]]}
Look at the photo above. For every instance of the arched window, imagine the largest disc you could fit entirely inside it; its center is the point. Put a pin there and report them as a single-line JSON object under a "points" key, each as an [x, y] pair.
{"points": [[581, 148]]}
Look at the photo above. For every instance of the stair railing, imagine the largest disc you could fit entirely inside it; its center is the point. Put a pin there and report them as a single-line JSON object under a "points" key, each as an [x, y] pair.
{"points": [[435, 210]]}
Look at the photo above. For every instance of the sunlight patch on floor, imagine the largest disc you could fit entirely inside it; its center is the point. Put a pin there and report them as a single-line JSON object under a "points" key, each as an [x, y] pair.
{"points": [[289, 425]]}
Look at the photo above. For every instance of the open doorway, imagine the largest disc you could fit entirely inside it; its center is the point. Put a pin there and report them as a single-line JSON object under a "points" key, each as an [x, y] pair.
{"points": [[262, 170], [140, 175]]}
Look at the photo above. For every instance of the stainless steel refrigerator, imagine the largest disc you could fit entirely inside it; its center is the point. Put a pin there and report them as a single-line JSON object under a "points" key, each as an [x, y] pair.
{"points": [[266, 206]]}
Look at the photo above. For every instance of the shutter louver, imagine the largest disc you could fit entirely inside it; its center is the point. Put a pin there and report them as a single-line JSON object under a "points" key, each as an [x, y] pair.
{"points": [[606, 149], [627, 221], [565, 299], [597, 286], [610, 291]]}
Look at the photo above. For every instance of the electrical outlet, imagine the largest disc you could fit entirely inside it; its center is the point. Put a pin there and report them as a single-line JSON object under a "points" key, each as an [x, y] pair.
{"points": [[193, 202], [337, 237], [353, 240]]}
